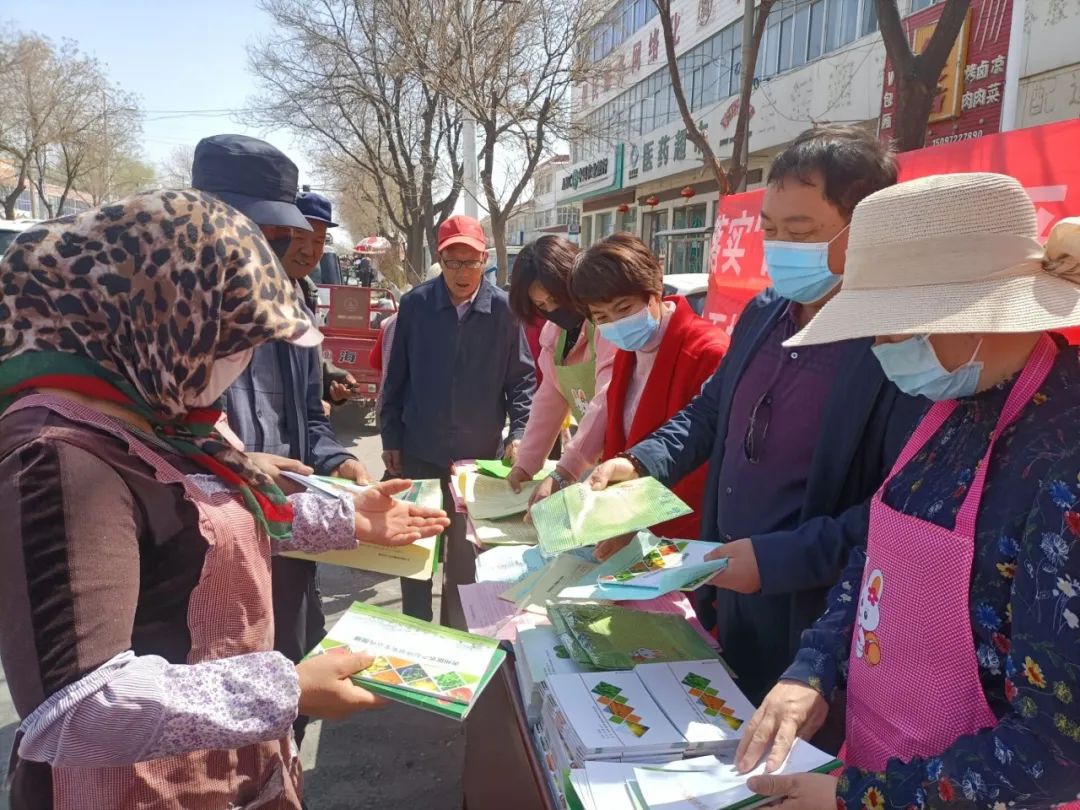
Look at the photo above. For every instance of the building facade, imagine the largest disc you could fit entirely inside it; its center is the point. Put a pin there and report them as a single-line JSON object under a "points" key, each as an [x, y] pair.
{"points": [[821, 61]]}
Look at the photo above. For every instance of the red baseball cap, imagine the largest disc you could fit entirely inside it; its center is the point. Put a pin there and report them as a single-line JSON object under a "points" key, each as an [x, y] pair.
{"points": [[462, 230]]}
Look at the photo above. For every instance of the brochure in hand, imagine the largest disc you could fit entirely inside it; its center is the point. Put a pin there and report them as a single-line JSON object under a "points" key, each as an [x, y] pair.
{"points": [[613, 637], [720, 786], [417, 560], [417, 663], [648, 567], [578, 516], [488, 498]]}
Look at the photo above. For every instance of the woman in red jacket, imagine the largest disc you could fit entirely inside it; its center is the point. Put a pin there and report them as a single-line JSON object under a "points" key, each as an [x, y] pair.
{"points": [[666, 352]]}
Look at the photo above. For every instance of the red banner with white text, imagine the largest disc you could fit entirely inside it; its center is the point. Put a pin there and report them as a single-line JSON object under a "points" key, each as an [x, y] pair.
{"points": [[1045, 159]]}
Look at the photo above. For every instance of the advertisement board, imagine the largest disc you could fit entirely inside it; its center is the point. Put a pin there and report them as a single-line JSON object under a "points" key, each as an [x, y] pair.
{"points": [[1045, 159]]}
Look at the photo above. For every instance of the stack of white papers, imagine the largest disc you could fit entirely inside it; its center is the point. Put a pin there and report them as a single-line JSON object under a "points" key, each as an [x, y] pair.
{"points": [[703, 783], [538, 653], [610, 785], [701, 700], [608, 716]]}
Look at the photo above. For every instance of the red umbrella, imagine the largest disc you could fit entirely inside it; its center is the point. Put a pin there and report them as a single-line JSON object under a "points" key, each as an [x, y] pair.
{"points": [[373, 244]]}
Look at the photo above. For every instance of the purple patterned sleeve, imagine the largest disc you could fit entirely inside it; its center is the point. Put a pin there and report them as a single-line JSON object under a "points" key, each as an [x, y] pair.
{"points": [[321, 522], [138, 708]]}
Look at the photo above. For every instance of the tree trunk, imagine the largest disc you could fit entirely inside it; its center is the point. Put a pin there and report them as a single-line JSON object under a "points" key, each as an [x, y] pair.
{"points": [[917, 75], [738, 165], [415, 254], [914, 102], [498, 235], [693, 132], [13, 197]]}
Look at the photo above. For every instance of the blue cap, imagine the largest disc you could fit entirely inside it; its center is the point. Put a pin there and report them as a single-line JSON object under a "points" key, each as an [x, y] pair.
{"points": [[252, 176], [315, 206]]}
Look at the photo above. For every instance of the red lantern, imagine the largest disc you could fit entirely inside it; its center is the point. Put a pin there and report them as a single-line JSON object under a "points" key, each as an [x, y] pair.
{"points": [[622, 209], [687, 192], [652, 201]]}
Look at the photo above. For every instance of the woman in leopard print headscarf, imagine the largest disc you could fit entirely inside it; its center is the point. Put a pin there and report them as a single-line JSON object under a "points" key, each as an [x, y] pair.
{"points": [[135, 302], [135, 607]]}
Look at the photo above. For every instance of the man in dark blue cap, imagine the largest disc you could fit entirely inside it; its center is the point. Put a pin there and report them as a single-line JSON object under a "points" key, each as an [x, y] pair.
{"points": [[337, 383], [275, 406]]}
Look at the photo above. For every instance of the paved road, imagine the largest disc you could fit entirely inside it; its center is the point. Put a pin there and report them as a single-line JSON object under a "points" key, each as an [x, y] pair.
{"points": [[393, 758]]}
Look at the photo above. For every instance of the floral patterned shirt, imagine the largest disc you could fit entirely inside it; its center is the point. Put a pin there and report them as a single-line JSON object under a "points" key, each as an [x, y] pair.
{"points": [[1024, 604]]}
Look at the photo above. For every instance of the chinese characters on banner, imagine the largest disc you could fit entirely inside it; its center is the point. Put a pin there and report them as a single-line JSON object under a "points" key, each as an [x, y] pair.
{"points": [[972, 83], [737, 255]]}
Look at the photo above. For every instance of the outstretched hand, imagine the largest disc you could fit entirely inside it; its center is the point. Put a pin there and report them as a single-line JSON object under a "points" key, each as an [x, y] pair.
{"points": [[384, 521]]}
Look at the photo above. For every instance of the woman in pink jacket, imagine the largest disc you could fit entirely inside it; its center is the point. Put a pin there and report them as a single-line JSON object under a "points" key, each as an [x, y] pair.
{"points": [[575, 363]]}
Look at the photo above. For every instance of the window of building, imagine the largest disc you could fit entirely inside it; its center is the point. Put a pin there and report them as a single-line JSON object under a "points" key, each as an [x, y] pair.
{"points": [[653, 223], [605, 225], [816, 44], [586, 231], [690, 216], [628, 221]]}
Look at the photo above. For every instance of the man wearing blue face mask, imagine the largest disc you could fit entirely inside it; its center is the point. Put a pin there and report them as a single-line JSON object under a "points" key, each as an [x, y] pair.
{"points": [[797, 441]]}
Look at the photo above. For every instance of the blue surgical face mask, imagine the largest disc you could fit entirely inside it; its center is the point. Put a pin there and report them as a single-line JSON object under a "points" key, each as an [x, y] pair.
{"points": [[632, 332], [800, 270], [914, 367]]}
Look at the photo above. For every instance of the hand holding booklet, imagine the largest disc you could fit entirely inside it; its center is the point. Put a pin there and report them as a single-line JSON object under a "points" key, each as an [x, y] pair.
{"points": [[648, 567], [416, 662], [578, 516]]}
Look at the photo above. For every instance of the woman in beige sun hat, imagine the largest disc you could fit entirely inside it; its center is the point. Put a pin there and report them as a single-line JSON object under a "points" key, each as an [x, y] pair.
{"points": [[957, 629]]}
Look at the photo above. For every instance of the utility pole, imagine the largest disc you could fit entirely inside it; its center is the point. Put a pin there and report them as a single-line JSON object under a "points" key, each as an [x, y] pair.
{"points": [[468, 134]]}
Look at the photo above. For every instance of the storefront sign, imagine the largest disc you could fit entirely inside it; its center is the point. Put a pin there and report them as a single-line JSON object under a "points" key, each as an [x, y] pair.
{"points": [[737, 255], [972, 83], [592, 177]]}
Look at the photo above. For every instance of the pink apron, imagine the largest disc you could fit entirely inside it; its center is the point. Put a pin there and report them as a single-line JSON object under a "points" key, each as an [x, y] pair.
{"points": [[229, 613], [913, 650]]}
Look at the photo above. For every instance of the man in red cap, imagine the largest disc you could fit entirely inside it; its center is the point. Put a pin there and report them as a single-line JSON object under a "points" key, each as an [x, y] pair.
{"points": [[459, 366]]}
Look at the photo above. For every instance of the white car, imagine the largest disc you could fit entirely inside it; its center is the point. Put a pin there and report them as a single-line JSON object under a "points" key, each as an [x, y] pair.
{"points": [[691, 286], [10, 228]]}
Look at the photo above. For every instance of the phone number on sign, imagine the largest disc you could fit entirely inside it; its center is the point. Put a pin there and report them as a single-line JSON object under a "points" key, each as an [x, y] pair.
{"points": [[960, 136]]}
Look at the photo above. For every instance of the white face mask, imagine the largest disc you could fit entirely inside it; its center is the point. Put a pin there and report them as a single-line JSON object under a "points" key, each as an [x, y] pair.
{"points": [[222, 374]]}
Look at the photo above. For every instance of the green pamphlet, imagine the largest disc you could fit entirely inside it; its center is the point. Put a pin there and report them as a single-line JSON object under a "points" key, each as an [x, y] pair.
{"points": [[497, 468], [578, 516], [613, 637], [417, 663]]}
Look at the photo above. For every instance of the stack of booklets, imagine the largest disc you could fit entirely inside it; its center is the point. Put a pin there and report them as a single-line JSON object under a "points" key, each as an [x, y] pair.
{"points": [[578, 516], [417, 560], [701, 700], [538, 653], [613, 637], [605, 716], [416, 662], [703, 783], [648, 567], [496, 513]]}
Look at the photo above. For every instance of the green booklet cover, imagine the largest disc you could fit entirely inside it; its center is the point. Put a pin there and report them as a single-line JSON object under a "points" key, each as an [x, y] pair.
{"points": [[417, 663], [578, 516], [614, 637], [498, 468]]}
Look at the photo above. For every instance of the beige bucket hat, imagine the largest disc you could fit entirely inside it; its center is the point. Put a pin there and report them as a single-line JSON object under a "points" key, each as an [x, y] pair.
{"points": [[953, 253]]}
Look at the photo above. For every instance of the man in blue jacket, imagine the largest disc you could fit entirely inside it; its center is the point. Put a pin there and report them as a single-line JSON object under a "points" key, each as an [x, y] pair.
{"points": [[797, 441], [275, 405], [458, 367]]}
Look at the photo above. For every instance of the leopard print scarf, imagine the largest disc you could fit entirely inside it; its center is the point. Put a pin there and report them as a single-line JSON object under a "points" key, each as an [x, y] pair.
{"points": [[133, 302]]}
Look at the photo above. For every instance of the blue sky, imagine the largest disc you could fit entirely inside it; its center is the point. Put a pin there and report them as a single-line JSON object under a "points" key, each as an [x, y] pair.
{"points": [[180, 55]]}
